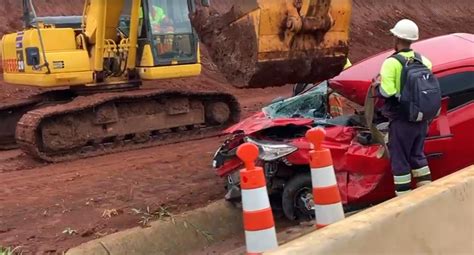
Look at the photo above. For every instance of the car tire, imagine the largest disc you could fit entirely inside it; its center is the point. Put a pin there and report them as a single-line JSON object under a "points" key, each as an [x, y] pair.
{"points": [[293, 198]]}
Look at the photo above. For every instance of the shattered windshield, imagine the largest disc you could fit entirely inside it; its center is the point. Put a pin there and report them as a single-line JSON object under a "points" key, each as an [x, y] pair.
{"points": [[312, 104]]}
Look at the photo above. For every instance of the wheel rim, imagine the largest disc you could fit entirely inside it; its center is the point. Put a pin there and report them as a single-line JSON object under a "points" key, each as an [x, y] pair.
{"points": [[303, 202]]}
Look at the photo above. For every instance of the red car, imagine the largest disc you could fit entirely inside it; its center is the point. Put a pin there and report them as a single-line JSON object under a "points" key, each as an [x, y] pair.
{"points": [[363, 176]]}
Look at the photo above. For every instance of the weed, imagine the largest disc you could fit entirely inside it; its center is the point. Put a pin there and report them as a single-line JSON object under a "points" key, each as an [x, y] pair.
{"points": [[9, 250], [110, 213], [69, 231], [204, 233], [162, 214], [147, 215]]}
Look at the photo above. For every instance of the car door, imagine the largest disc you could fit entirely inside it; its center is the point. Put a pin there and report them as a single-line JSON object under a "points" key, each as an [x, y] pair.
{"points": [[450, 143]]}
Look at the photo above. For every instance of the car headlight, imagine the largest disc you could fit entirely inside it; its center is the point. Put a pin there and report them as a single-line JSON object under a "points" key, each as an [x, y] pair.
{"points": [[271, 151]]}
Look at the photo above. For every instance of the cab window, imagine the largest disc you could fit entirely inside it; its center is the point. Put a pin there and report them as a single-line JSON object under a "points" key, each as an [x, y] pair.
{"points": [[171, 31]]}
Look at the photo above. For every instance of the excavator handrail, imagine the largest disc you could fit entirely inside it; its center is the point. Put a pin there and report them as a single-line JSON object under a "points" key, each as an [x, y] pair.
{"points": [[30, 9]]}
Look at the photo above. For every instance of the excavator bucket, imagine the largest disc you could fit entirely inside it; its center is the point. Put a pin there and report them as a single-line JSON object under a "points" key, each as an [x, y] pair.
{"points": [[263, 43]]}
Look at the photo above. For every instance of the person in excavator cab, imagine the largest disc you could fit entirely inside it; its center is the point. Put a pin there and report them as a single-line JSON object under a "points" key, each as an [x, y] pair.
{"points": [[162, 27]]}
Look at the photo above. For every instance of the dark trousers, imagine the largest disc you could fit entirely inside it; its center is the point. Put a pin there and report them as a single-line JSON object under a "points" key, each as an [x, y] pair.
{"points": [[406, 145]]}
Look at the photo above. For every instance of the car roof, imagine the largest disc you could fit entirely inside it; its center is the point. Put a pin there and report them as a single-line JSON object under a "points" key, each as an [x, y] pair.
{"points": [[443, 51]]}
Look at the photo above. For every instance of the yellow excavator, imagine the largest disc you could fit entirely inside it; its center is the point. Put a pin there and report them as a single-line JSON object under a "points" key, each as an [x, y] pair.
{"points": [[92, 67]]}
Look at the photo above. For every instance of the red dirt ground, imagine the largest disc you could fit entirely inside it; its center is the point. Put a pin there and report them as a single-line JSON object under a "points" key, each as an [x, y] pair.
{"points": [[39, 201]]}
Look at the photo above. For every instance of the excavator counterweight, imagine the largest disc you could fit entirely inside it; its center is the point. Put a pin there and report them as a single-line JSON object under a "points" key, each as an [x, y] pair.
{"points": [[262, 43]]}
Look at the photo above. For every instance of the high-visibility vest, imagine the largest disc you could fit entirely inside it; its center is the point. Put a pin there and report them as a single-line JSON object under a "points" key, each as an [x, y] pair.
{"points": [[336, 106], [391, 73], [348, 64], [158, 15]]}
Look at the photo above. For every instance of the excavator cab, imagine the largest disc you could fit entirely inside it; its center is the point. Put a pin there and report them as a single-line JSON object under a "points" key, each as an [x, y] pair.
{"points": [[167, 39]]}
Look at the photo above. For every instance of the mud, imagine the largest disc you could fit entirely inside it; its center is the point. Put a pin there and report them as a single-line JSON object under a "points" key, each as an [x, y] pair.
{"points": [[237, 60]]}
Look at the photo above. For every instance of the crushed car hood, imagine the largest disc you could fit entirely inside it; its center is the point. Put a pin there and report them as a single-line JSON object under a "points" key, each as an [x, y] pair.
{"points": [[260, 121]]}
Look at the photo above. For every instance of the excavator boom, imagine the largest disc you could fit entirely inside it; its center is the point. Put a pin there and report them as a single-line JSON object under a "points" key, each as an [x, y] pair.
{"points": [[261, 43]]}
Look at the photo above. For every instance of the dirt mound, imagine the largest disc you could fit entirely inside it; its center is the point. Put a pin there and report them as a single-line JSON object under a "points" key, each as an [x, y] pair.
{"points": [[372, 19], [11, 12]]}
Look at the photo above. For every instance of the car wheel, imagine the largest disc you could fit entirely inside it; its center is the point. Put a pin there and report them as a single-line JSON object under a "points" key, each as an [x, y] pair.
{"points": [[297, 198]]}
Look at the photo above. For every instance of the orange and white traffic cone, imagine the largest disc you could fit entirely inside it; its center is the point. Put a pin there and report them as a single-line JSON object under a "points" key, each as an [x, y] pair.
{"points": [[260, 233], [327, 199]]}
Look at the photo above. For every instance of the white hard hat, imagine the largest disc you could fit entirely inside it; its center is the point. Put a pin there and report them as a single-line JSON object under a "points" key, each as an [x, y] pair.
{"points": [[406, 29]]}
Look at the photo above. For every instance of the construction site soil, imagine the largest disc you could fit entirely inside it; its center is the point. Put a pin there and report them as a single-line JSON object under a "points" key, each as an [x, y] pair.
{"points": [[48, 208]]}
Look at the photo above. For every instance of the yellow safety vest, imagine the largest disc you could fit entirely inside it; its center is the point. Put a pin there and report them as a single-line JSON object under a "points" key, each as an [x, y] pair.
{"points": [[348, 64], [391, 74]]}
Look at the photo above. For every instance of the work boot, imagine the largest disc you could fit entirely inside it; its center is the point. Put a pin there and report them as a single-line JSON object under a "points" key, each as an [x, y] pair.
{"points": [[402, 184], [422, 176]]}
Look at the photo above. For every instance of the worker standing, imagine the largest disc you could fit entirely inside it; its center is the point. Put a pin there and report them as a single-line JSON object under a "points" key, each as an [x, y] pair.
{"points": [[406, 133]]}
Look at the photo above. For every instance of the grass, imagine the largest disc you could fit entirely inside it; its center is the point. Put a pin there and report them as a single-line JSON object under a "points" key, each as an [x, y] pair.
{"points": [[163, 214], [69, 231], [9, 250], [147, 215]]}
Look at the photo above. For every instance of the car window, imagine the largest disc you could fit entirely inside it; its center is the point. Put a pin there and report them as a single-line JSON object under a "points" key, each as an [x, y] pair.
{"points": [[459, 87], [312, 104]]}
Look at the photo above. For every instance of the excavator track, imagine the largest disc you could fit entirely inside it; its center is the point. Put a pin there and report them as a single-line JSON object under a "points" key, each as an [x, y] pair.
{"points": [[114, 122], [10, 113]]}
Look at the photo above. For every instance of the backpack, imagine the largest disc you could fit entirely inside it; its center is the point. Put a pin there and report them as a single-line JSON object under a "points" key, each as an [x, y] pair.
{"points": [[420, 97]]}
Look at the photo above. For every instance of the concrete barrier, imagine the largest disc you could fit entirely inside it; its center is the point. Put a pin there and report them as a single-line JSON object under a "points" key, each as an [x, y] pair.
{"points": [[188, 232], [435, 219]]}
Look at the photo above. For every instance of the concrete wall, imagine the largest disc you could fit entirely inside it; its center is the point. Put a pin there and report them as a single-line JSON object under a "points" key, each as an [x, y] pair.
{"points": [[189, 232], [436, 219]]}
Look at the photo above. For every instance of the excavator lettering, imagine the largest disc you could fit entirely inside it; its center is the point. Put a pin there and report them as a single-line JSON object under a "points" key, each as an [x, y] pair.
{"points": [[92, 67]]}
